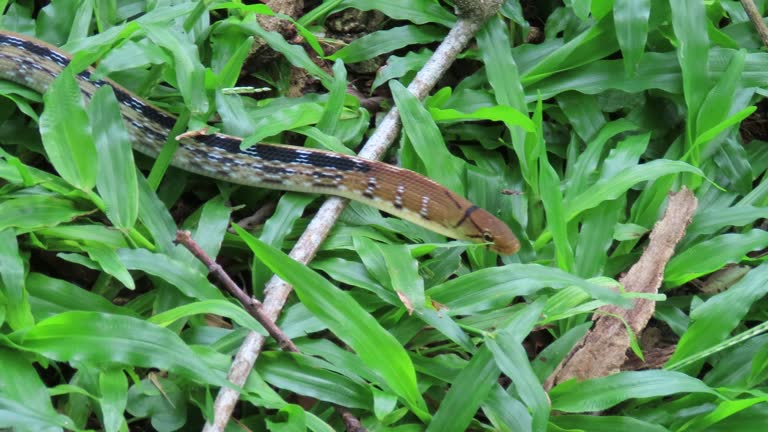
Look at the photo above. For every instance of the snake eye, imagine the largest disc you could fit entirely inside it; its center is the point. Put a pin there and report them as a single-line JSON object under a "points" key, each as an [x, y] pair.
{"points": [[487, 236]]}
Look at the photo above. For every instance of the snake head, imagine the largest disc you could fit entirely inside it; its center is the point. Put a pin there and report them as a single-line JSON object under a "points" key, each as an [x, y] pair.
{"points": [[481, 226]]}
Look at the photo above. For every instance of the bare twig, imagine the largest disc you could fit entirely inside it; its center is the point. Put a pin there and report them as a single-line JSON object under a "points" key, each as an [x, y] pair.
{"points": [[255, 309], [757, 19], [277, 291], [603, 349], [251, 305]]}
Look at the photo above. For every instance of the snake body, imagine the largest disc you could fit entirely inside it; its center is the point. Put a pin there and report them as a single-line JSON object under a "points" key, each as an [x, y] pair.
{"points": [[403, 193]]}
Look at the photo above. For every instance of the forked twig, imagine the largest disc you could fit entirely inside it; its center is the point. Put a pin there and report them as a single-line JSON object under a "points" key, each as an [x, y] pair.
{"points": [[256, 310]]}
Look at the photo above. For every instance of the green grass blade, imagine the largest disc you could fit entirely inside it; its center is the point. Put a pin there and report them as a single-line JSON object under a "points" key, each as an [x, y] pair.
{"points": [[104, 339]]}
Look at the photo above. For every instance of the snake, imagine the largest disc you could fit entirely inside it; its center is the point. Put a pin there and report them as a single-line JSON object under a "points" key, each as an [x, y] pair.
{"points": [[406, 194]]}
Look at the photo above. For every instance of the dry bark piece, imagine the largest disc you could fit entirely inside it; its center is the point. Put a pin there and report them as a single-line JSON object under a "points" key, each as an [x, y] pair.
{"points": [[603, 350]]}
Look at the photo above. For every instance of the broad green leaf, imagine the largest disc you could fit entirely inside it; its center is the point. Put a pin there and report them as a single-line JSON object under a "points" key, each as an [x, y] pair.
{"points": [[427, 141], [109, 263], [714, 320], [467, 393], [288, 371], [631, 18], [508, 115], [404, 276], [594, 43], [289, 210], [104, 339], [186, 279], [49, 296], [689, 24], [31, 212], [398, 67], [718, 128], [24, 398], [222, 308], [384, 41], [96, 233], [283, 120], [510, 356], [159, 399], [505, 412], [602, 393], [718, 103], [552, 199], [116, 179], [584, 114], [212, 226], [12, 284], [335, 104], [492, 288], [595, 423], [580, 175], [290, 418], [418, 12], [708, 221], [699, 260], [113, 386], [293, 53], [66, 133], [617, 185], [188, 71], [500, 66], [375, 346], [155, 216], [724, 410]]}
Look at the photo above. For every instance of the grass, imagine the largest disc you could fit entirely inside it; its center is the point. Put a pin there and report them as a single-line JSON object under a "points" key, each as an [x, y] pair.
{"points": [[107, 325]]}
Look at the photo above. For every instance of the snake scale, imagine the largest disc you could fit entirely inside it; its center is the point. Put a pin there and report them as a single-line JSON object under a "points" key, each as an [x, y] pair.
{"points": [[403, 193]]}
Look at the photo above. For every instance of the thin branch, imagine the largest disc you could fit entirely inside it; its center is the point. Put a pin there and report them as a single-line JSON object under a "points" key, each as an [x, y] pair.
{"points": [[757, 19], [251, 305], [256, 310], [277, 291]]}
